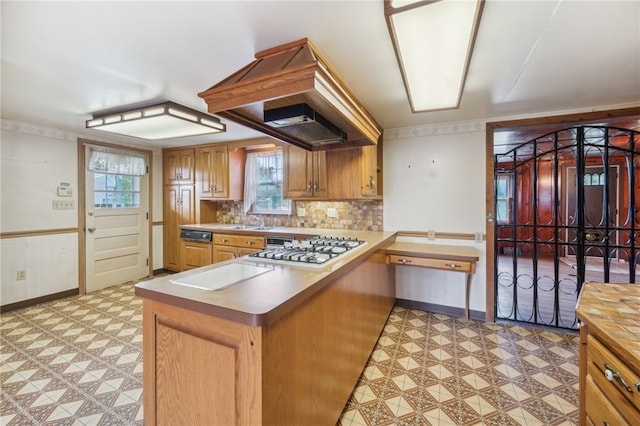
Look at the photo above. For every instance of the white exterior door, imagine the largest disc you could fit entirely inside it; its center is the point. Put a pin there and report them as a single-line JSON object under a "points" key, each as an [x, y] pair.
{"points": [[117, 229]]}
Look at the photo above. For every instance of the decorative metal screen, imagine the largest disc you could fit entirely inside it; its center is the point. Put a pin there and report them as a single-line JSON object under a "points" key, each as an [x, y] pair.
{"points": [[567, 212]]}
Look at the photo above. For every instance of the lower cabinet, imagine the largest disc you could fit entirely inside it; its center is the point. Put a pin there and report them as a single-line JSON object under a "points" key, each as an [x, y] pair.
{"points": [[612, 391], [227, 246], [609, 354], [195, 254]]}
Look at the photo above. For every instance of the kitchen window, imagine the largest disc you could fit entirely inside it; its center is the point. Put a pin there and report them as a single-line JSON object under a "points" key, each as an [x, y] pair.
{"points": [[263, 184]]}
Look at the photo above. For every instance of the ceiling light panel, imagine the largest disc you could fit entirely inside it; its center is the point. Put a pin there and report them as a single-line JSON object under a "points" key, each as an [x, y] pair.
{"points": [[163, 121], [433, 41]]}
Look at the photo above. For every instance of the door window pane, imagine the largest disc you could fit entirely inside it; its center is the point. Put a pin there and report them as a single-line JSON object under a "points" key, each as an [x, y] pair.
{"points": [[116, 191]]}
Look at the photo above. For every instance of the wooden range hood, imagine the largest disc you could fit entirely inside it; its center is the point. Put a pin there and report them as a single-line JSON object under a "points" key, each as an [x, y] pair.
{"points": [[292, 75]]}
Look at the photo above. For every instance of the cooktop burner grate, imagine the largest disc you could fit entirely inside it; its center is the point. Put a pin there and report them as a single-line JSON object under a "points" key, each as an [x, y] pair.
{"points": [[315, 250]]}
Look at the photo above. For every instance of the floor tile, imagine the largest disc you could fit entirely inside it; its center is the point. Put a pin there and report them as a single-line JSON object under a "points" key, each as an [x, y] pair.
{"points": [[78, 361]]}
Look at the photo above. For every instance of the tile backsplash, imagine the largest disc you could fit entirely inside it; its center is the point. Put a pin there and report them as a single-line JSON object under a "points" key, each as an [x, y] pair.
{"points": [[364, 215]]}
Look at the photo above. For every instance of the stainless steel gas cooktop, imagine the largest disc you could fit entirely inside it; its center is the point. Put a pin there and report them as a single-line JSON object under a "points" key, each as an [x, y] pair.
{"points": [[312, 251]]}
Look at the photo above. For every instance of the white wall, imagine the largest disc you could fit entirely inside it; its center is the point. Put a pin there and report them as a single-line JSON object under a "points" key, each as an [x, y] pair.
{"points": [[157, 187], [32, 168], [434, 179], [34, 161]]}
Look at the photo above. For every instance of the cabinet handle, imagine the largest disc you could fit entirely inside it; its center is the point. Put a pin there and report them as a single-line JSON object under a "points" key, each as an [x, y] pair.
{"points": [[405, 261], [452, 265], [315, 186], [372, 183], [612, 375], [210, 188], [225, 241], [250, 242], [309, 187]]}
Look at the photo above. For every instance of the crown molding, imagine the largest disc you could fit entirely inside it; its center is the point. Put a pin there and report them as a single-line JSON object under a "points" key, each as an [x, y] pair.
{"points": [[37, 130], [434, 130]]}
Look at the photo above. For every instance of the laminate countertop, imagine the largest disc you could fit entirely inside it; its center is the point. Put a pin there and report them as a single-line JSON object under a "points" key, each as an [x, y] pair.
{"points": [[263, 298], [614, 310]]}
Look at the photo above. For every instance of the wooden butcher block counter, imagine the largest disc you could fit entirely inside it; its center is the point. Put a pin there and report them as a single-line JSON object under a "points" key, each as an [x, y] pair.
{"points": [[285, 345], [609, 316]]}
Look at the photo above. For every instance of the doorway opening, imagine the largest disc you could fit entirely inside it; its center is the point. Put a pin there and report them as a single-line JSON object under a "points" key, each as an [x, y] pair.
{"points": [[567, 211], [115, 246]]}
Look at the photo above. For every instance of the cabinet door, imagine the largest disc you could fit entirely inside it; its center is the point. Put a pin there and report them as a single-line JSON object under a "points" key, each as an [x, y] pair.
{"points": [[319, 167], [178, 203], [178, 166], [187, 201], [344, 180], [212, 171], [222, 253], [305, 173], [195, 254], [220, 171], [246, 251], [298, 172], [171, 228], [369, 170]]}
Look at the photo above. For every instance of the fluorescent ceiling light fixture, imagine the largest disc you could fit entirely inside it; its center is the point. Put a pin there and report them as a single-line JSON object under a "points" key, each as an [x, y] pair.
{"points": [[433, 41], [162, 121]]}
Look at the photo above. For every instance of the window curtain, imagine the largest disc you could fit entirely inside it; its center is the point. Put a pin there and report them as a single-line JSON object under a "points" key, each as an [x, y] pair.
{"points": [[105, 160], [257, 164]]}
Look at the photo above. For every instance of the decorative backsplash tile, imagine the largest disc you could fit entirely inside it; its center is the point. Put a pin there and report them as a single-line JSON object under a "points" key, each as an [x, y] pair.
{"points": [[364, 215]]}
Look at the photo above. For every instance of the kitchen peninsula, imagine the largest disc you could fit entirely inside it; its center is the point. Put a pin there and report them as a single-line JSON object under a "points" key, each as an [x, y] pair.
{"points": [[282, 345]]}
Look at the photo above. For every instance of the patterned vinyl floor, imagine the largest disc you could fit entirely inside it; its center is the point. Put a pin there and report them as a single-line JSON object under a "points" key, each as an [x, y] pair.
{"points": [[78, 361]]}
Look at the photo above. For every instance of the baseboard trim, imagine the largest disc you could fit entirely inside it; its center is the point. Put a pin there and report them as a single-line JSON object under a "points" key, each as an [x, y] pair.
{"points": [[38, 300], [440, 309]]}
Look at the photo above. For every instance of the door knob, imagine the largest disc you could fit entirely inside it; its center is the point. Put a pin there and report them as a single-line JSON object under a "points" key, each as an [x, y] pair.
{"points": [[91, 228]]}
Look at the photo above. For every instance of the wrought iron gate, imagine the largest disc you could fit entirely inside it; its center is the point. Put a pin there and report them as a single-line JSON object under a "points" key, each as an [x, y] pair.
{"points": [[567, 212]]}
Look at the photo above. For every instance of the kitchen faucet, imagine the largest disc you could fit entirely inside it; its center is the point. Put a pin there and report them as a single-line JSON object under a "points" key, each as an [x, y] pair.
{"points": [[260, 220]]}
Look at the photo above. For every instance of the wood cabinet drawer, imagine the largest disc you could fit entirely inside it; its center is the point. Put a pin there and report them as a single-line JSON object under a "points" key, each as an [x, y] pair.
{"points": [[599, 408], [449, 265], [238, 241], [621, 385]]}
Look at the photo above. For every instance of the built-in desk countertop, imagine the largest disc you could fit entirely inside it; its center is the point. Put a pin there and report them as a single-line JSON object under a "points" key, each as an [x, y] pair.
{"points": [[436, 256]]}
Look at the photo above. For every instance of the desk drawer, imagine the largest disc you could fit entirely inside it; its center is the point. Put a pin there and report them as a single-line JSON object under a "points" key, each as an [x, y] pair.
{"points": [[449, 265]]}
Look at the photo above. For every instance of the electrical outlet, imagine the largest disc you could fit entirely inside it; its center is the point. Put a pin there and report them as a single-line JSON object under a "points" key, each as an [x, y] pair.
{"points": [[302, 212], [331, 212], [479, 237], [21, 274], [431, 235], [64, 204]]}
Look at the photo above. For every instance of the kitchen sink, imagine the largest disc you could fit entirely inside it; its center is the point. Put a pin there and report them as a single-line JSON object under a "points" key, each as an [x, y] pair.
{"points": [[250, 227], [242, 227]]}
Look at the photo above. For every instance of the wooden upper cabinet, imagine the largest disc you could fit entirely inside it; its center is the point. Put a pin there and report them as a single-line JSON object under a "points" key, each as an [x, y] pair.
{"points": [[305, 173], [219, 173], [353, 173], [212, 171], [178, 166], [369, 171]]}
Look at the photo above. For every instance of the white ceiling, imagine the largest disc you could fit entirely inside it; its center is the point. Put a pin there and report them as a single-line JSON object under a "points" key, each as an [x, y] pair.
{"points": [[63, 61]]}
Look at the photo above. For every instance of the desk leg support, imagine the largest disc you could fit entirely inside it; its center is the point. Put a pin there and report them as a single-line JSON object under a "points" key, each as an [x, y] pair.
{"points": [[466, 311]]}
